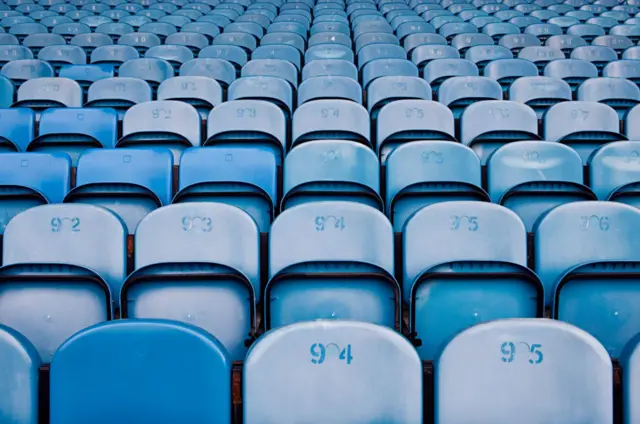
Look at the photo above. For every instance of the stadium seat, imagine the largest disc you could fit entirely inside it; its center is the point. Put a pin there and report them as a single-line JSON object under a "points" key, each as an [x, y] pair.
{"points": [[459, 92], [338, 354], [11, 52], [456, 285], [86, 75], [565, 42], [511, 357], [152, 70], [540, 93], [423, 54], [82, 244], [439, 70], [74, 130], [20, 367], [482, 55], [330, 119], [572, 71], [199, 267], [113, 55], [221, 70], [35, 42], [331, 87], [43, 93], [620, 94], [200, 92], [541, 55], [506, 71], [532, 177], [593, 286], [118, 93], [625, 69], [613, 172], [271, 68], [129, 182], [388, 89], [346, 171], [128, 354], [583, 126], [517, 42], [271, 89], [176, 55], [421, 173], [7, 92], [168, 124], [141, 41], [331, 270], [238, 175]]}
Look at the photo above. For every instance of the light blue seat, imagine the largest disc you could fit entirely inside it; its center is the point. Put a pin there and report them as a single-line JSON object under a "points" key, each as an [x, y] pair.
{"points": [[614, 172], [331, 269], [459, 92], [628, 362], [114, 30], [482, 55], [243, 40], [532, 177], [619, 43], [439, 70], [517, 42], [589, 271], [70, 30], [330, 87], [284, 39], [141, 41], [29, 180], [7, 92], [375, 38], [23, 29], [583, 126], [130, 353], [35, 42], [542, 55], [338, 354], [20, 369], [176, 20], [331, 170], [330, 119], [129, 182], [91, 41], [620, 94], [421, 173], [221, 70], [59, 55], [598, 55], [267, 88], [540, 93], [374, 52], [506, 71], [68, 279], [25, 69], [587, 31], [272, 68], [161, 29], [11, 52], [456, 285], [199, 269], [406, 29], [328, 51], [113, 55], [565, 42], [331, 38], [43, 93], [625, 69], [94, 21], [288, 27], [280, 52], [416, 40], [388, 89], [462, 42], [572, 71], [238, 175], [152, 70], [543, 31], [497, 30], [510, 357], [207, 29], [632, 32], [118, 93], [423, 54], [176, 55], [74, 130], [86, 75], [168, 124]]}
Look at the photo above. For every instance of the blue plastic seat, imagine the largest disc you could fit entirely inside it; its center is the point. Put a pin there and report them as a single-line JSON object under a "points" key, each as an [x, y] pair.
{"points": [[237, 175], [83, 249], [584, 126], [35, 42], [141, 41], [11, 52], [565, 42], [218, 69], [243, 40], [118, 93], [207, 29], [272, 68], [462, 42], [506, 71], [22, 30], [624, 69], [86, 75], [541, 55], [42, 93], [572, 71], [329, 87], [619, 43], [200, 92], [152, 70], [543, 31], [587, 31], [114, 30], [271, 89], [459, 92], [130, 353], [164, 123], [113, 55], [161, 29], [330, 119], [73, 130], [487, 125], [632, 32], [598, 55], [614, 173], [176, 55], [532, 177], [628, 361], [620, 94], [331, 38], [497, 30], [517, 42], [7, 92], [328, 52], [176, 20], [90, 42], [198, 268], [592, 286], [131, 183], [333, 363], [59, 55], [320, 262], [284, 39], [422, 39], [70, 30], [424, 54], [329, 67], [540, 93], [387, 89], [485, 253], [421, 173], [348, 171], [193, 41], [482, 55], [379, 51], [288, 27], [512, 356], [374, 38], [439, 70], [18, 130]]}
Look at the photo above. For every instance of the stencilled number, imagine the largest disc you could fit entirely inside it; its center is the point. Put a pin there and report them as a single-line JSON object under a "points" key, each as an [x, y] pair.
{"points": [[456, 222], [579, 114], [202, 223], [534, 352], [161, 113], [414, 112], [330, 112], [320, 353], [248, 112], [594, 221], [329, 222], [64, 223]]}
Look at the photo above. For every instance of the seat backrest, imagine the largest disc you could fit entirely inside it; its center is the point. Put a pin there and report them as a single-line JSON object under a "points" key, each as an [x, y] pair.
{"points": [[17, 135], [128, 354], [337, 352], [26, 69], [56, 92], [540, 93], [341, 119], [511, 356], [7, 92], [47, 174], [614, 167], [458, 92], [152, 70]]}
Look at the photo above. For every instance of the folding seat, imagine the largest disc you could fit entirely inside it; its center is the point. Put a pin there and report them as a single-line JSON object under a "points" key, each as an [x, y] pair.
{"points": [[628, 361], [266, 393], [160, 29], [153, 14], [439, 70], [60, 55], [522, 21], [371, 27], [584, 126], [218, 20], [600, 56], [387, 67], [631, 129], [36, 42], [594, 8], [331, 119], [220, 70], [151, 124], [632, 32], [485, 251], [375, 38], [11, 52], [517, 42], [618, 15], [422, 55], [462, 42], [22, 30], [412, 28], [70, 30], [279, 52], [533, 177], [620, 94], [459, 92], [7, 92], [115, 14], [493, 8], [83, 250], [424, 172], [254, 17], [438, 18], [42, 93], [451, 29], [96, 8], [113, 55], [565, 42], [141, 41], [201, 92], [152, 70], [174, 54], [239, 39], [130, 7], [200, 368], [8, 39], [288, 27], [481, 55], [193, 41], [632, 10], [250, 28], [329, 67], [605, 260], [562, 9], [176, 20], [587, 31], [579, 374], [613, 172], [506, 71], [482, 21], [507, 15], [330, 87], [201, 7]]}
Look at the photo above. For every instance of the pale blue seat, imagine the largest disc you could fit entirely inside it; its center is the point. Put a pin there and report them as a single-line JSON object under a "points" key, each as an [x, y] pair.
{"points": [[330, 119], [119, 93], [113, 55], [439, 70], [506, 71], [614, 172], [629, 364], [220, 70], [457, 93], [151, 70], [200, 92], [540, 93], [621, 94], [572, 71], [21, 70], [7, 92]]}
